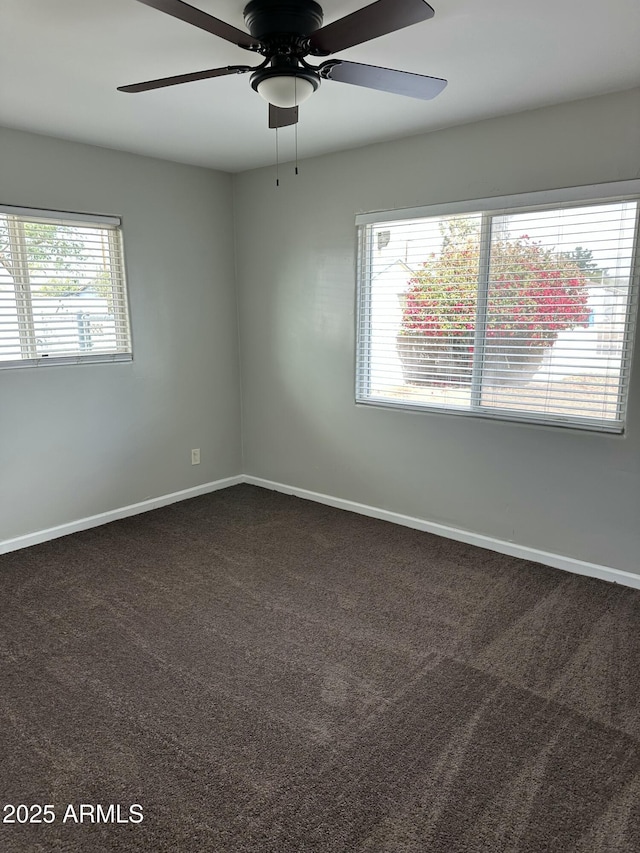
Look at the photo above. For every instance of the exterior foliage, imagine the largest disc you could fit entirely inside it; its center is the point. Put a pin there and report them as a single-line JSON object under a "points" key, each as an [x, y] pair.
{"points": [[51, 248], [534, 293], [46, 246]]}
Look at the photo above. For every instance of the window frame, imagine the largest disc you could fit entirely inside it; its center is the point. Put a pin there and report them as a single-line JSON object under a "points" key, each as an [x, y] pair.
{"points": [[23, 296], [488, 208]]}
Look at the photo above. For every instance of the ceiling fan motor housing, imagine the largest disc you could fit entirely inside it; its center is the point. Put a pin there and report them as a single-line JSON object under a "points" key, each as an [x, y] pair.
{"points": [[270, 17]]}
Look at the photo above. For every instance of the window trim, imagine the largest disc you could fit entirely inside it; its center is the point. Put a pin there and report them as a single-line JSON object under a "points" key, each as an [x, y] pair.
{"points": [[22, 290], [614, 191], [62, 216], [490, 207]]}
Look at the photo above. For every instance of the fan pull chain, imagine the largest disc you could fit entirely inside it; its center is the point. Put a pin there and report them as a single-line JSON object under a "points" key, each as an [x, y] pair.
{"points": [[295, 89], [277, 161]]}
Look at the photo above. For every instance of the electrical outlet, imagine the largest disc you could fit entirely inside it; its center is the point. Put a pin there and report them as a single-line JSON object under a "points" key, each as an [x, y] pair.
{"points": [[195, 456]]}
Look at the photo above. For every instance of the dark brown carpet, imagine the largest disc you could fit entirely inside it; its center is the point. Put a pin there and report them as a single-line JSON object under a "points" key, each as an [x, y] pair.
{"points": [[262, 673]]}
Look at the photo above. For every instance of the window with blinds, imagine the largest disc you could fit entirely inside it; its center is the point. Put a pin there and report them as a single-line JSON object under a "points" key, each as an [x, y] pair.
{"points": [[62, 289], [520, 308]]}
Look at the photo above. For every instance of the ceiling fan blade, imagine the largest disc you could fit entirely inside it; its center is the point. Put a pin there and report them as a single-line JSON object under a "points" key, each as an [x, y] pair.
{"points": [[194, 16], [383, 79], [377, 19], [185, 78], [282, 116]]}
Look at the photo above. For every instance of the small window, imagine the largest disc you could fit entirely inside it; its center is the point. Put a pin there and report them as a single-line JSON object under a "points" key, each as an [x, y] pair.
{"points": [[62, 289], [517, 308]]}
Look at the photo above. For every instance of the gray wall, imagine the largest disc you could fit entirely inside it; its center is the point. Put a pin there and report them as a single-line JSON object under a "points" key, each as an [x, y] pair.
{"points": [[81, 440], [568, 492], [77, 441]]}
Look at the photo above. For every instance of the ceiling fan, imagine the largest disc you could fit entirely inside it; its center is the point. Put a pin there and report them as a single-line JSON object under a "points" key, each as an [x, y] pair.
{"points": [[285, 32]]}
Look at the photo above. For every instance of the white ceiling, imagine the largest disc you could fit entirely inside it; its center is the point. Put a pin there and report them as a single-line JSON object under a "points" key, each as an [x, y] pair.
{"points": [[61, 60]]}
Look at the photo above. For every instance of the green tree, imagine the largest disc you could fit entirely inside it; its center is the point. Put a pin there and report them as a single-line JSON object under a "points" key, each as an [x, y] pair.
{"points": [[583, 258], [49, 248], [46, 246]]}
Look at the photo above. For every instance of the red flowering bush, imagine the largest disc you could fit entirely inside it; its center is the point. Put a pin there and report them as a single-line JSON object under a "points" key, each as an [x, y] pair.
{"points": [[534, 293]]}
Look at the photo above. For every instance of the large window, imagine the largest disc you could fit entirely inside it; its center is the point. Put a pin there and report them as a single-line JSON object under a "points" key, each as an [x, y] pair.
{"points": [[62, 289], [520, 308]]}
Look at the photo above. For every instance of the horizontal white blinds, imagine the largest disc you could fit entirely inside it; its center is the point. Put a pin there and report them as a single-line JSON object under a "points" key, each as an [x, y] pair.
{"points": [[62, 289], [525, 314]]}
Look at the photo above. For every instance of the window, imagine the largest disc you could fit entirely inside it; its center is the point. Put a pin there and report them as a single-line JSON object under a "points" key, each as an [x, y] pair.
{"points": [[62, 289], [520, 308]]}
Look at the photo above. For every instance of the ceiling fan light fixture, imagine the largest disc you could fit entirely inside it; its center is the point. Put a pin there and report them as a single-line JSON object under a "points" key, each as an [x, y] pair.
{"points": [[285, 89], [285, 32]]}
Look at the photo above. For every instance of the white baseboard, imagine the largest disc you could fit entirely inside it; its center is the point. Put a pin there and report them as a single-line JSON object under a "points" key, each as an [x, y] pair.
{"points": [[115, 514], [556, 561]]}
